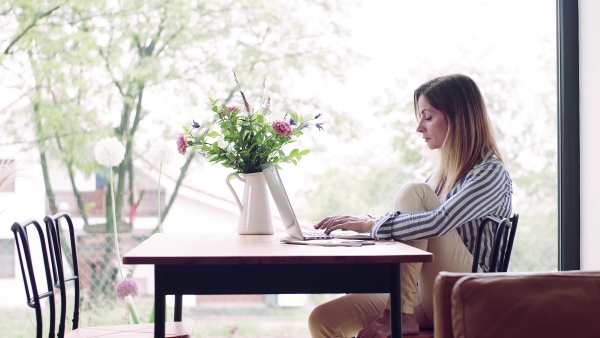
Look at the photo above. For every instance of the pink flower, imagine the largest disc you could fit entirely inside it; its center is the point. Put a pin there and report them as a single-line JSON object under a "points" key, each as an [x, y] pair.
{"points": [[224, 111], [181, 144], [282, 128], [233, 108], [126, 287], [233, 330]]}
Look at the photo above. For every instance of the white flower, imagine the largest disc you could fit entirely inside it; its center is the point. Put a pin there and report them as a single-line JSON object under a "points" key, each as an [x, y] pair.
{"points": [[162, 152], [109, 152]]}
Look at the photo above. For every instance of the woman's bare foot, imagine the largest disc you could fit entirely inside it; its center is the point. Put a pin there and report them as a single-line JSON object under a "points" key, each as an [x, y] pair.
{"points": [[409, 324]]}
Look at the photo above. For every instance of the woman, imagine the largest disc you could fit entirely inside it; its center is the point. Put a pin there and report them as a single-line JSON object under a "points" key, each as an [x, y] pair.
{"points": [[441, 215]]}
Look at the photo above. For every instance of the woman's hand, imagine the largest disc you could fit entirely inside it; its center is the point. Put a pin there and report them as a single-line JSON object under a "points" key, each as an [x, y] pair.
{"points": [[379, 328], [354, 223]]}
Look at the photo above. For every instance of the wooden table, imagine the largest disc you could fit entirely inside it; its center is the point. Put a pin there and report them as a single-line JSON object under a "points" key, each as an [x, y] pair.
{"points": [[215, 264]]}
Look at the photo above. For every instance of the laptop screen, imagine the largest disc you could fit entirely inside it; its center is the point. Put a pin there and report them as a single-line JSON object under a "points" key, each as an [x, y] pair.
{"points": [[282, 201]]}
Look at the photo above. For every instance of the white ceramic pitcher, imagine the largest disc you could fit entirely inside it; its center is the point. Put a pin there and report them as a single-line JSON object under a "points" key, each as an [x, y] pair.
{"points": [[255, 213]]}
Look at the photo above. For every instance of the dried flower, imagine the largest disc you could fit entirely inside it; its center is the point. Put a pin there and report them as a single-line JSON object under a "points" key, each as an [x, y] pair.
{"points": [[161, 152], [195, 124], [317, 116], [246, 104], [181, 144], [292, 122], [109, 152], [8, 172], [320, 126], [126, 287], [282, 128]]}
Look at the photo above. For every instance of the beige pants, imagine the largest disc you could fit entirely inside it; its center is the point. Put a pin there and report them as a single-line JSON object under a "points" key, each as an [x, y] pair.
{"points": [[347, 315]]}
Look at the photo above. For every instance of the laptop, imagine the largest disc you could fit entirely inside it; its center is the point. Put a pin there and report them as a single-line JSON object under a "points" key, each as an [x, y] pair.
{"points": [[288, 217]]}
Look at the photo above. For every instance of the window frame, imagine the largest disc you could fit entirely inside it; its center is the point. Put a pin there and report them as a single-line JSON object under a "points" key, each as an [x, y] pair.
{"points": [[569, 206]]}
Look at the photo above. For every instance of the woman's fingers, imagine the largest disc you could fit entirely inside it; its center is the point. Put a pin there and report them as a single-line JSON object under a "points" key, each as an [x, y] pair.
{"points": [[358, 224], [325, 222]]}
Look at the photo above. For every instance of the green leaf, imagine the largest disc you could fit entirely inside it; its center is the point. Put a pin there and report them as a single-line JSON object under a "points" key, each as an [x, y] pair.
{"points": [[304, 152], [213, 134], [294, 116]]}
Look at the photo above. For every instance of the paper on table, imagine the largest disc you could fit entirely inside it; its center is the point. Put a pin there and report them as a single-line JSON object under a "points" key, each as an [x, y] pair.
{"points": [[328, 242]]}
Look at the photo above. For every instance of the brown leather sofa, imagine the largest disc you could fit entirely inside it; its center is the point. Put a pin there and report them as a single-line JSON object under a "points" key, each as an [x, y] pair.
{"points": [[514, 305]]}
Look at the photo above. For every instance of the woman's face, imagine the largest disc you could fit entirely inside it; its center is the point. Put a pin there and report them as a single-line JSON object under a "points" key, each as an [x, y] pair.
{"points": [[433, 124]]}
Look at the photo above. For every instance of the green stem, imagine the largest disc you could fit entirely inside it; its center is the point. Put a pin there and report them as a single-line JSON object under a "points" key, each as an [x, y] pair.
{"points": [[130, 305], [133, 311], [112, 196]]}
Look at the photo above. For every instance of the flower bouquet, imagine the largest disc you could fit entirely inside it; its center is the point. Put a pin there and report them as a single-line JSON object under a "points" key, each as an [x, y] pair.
{"points": [[246, 136]]}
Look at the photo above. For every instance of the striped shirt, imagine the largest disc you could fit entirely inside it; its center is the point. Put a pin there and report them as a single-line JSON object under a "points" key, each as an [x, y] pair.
{"points": [[486, 190]]}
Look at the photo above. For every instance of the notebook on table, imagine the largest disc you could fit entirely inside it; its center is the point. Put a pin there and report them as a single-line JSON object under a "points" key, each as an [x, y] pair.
{"points": [[288, 217]]}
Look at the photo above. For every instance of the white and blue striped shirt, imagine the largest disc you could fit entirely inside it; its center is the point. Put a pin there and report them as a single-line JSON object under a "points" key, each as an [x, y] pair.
{"points": [[486, 190]]}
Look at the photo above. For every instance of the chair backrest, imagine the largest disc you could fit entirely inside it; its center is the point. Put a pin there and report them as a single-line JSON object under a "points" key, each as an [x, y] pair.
{"points": [[27, 263], [55, 243], [503, 242], [514, 220]]}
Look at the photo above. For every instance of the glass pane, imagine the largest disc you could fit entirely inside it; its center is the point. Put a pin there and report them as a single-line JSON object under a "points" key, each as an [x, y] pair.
{"points": [[7, 258], [140, 70], [514, 64]]}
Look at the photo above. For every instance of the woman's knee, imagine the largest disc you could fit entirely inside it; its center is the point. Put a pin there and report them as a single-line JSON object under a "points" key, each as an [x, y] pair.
{"points": [[317, 321], [415, 197], [315, 317]]}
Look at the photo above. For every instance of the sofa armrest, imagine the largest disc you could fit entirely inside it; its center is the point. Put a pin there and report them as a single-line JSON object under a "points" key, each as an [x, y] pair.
{"points": [[555, 304], [442, 305], [442, 301]]}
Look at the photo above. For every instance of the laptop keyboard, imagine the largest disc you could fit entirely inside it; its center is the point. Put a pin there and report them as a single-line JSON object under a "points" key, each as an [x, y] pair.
{"points": [[319, 234]]}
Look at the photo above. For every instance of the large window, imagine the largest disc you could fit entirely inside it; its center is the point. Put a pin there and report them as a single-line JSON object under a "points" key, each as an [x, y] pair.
{"points": [[72, 73]]}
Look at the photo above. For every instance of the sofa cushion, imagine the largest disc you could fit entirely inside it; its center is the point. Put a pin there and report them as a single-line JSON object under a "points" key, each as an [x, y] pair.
{"points": [[556, 304]]}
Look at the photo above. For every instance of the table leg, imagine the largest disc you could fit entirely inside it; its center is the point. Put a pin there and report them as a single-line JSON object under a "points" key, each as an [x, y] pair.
{"points": [[396, 306], [178, 308], [159, 302]]}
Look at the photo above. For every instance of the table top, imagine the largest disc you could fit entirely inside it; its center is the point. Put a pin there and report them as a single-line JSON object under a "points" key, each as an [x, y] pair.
{"points": [[235, 249]]}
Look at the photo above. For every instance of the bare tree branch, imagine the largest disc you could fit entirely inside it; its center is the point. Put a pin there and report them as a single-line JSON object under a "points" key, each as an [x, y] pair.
{"points": [[26, 29]]}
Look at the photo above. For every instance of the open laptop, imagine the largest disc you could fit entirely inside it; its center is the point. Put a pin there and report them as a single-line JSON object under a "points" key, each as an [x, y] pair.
{"points": [[290, 222]]}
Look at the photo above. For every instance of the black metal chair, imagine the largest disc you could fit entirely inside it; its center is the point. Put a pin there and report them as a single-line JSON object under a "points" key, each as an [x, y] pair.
{"points": [[53, 227], [58, 272], [32, 286], [503, 242]]}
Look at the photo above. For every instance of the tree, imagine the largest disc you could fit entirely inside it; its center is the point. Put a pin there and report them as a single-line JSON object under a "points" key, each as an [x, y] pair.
{"points": [[91, 64]]}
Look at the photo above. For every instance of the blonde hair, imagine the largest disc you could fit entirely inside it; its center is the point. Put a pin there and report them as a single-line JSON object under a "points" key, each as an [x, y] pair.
{"points": [[469, 138]]}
